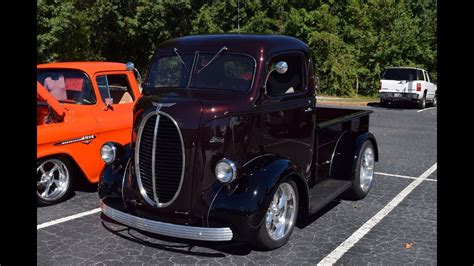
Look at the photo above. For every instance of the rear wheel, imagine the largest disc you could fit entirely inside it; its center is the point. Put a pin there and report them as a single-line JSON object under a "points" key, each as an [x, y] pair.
{"points": [[364, 173], [422, 102], [53, 180], [280, 218]]}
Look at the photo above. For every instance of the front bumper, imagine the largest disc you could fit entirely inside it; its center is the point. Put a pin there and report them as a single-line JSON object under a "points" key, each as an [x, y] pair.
{"points": [[168, 229]]}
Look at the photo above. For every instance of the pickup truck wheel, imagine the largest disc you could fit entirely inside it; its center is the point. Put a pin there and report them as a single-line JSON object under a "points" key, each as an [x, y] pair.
{"points": [[53, 180], [364, 173], [280, 218], [422, 103], [434, 103]]}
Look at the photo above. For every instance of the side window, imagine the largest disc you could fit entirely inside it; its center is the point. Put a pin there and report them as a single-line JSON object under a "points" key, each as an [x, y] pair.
{"points": [[427, 76], [68, 86], [116, 87], [420, 75], [293, 81]]}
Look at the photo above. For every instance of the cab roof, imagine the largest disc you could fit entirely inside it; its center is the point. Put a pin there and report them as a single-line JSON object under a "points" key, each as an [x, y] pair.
{"points": [[246, 43], [87, 66]]}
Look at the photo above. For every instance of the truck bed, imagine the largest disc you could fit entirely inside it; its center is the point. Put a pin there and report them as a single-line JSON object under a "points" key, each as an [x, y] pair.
{"points": [[328, 116]]}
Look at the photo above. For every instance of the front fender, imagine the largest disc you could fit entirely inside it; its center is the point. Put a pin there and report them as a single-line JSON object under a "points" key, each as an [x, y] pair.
{"points": [[242, 205], [112, 177]]}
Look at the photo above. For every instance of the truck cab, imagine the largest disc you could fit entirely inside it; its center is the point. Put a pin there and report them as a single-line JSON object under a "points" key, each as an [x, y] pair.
{"points": [[228, 144], [80, 106], [407, 84]]}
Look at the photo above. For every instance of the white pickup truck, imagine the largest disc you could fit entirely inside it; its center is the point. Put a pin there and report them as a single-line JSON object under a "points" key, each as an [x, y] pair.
{"points": [[411, 84]]}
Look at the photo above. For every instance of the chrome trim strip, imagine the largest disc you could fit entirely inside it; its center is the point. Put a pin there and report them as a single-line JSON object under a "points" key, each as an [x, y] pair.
{"points": [[168, 229], [137, 160], [153, 151], [335, 147]]}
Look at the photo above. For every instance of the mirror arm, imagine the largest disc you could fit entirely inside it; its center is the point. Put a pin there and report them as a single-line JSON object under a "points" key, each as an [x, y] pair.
{"points": [[266, 80]]}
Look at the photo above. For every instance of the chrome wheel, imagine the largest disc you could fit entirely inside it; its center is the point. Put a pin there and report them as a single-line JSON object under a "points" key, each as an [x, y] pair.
{"points": [[367, 169], [52, 181], [280, 217]]}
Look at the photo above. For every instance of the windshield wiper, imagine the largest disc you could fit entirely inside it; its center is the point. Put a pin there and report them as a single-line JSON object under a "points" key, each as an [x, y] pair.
{"points": [[180, 59], [214, 58]]}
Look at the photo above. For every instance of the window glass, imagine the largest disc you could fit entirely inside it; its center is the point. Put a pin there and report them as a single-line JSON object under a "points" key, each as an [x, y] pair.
{"points": [[420, 75], [401, 74], [226, 72], [290, 82], [67, 86], [116, 87], [170, 72]]}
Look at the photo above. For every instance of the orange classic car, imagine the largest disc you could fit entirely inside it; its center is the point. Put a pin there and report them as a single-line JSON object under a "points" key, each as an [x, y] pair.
{"points": [[80, 106]]}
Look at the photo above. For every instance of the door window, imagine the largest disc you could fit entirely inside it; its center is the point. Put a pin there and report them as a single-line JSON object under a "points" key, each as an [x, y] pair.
{"points": [[67, 86], [292, 81], [115, 87]]}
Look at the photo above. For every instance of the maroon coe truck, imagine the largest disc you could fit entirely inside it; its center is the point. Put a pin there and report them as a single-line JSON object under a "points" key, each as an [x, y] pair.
{"points": [[228, 144]]}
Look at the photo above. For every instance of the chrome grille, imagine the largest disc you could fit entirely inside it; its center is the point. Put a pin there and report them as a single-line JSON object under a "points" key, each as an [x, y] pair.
{"points": [[159, 159]]}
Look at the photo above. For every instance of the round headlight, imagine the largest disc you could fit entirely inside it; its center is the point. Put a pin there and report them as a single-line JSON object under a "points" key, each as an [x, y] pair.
{"points": [[108, 152], [225, 171]]}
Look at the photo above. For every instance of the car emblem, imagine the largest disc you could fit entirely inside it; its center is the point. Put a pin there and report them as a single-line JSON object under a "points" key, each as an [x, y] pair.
{"points": [[216, 140]]}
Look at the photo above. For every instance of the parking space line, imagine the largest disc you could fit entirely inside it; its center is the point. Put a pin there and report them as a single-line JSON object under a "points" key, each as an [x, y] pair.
{"points": [[404, 176], [338, 252], [68, 218], [425, 109]]}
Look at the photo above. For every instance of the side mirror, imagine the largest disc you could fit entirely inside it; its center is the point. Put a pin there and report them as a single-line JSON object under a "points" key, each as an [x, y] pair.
{"points": [[131, 67], [108, 103], [281, 67]]}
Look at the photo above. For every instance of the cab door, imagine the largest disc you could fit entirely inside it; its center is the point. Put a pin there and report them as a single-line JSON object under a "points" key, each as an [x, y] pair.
{"points": [[287, 118], [117, 93]]}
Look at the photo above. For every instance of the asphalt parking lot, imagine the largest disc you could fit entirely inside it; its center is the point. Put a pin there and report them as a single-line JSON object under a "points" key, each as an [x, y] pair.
{"points": [[394, 224]]}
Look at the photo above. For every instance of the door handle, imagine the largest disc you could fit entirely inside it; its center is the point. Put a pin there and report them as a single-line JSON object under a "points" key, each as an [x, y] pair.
{"points": [[309, 109]]}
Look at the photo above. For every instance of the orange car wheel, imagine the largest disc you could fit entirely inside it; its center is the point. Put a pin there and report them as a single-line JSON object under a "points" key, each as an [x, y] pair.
{"points": [[54, 177]]}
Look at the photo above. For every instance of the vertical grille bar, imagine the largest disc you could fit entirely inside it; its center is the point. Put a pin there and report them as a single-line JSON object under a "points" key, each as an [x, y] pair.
{"points": [[153, 159]]}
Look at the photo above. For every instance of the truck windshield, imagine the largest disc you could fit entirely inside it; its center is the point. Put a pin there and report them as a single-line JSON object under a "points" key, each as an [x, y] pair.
{"points": [[228, 71], [401, 74], [67, 85]]}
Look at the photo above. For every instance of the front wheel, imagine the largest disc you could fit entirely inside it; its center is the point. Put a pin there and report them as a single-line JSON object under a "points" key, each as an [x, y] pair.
{"points": [[280, 217], [364, 173], [53, 180]]}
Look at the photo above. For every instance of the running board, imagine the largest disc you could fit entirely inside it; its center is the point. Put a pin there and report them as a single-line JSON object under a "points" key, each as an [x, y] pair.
{"points": [[326, 191]]}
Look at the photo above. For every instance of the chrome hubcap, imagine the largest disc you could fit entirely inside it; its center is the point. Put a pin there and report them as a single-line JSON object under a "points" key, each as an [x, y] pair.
{"points": [[367, 169], [52, 179], [280, 216]]}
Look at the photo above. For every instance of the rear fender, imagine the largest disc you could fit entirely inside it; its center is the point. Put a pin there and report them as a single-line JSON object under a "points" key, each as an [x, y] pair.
{"points": [[358, 144]]}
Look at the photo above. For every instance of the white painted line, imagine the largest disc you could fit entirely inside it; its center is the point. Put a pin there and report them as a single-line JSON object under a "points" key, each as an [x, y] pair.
{"points": [[338, 252], [68, 218], [425, 109], [404, 176]]}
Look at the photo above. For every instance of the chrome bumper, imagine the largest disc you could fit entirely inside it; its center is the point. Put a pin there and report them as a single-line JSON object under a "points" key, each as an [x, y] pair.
{"points": [[167, 229]]}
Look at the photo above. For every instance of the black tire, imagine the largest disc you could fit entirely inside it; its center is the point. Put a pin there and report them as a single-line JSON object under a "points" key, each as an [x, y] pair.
{"points": [[422, 102], [355, 192], [264, 241], [434, 103], [63, 175]]}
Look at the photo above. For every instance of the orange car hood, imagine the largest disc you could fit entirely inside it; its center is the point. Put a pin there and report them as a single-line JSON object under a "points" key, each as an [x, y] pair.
{"points": [[48, 98]]}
